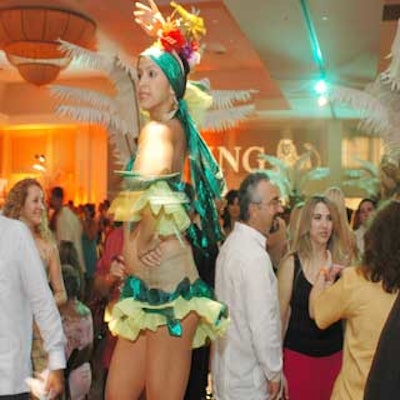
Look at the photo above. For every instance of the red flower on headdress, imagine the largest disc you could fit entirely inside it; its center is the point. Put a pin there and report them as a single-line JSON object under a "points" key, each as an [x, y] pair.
{"points": [[172, 40], [195, 45]]}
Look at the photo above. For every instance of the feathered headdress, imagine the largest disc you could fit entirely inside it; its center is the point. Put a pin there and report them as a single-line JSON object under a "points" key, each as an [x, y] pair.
{"points": [[179, 33]]}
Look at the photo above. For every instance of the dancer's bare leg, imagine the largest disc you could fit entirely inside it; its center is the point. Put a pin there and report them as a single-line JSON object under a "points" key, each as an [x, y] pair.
{"points": [[126, 379], [168, 361]]}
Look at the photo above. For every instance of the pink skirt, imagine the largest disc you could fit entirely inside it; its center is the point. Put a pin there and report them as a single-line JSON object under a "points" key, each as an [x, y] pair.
{"points": [[310, 378]]}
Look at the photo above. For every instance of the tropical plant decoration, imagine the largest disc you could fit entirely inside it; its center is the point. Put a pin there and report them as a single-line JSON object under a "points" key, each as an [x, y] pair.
{"points": [[293, 180], [366, 178]]}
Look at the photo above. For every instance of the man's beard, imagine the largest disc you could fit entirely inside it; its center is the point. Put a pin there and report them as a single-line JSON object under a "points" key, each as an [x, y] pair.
{"points": [[275, 224]]}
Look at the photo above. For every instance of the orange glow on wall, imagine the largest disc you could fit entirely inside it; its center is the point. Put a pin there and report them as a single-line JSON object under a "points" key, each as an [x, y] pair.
{"points": [[75, 158]]}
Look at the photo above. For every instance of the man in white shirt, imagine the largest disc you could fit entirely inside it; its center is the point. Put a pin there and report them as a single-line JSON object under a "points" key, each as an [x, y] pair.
{"points": [[24, 294], [247, 361]]}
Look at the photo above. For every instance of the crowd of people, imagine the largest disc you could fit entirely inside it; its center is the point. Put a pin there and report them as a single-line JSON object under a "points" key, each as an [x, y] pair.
{"points": [[120, 304], [325, 300]]}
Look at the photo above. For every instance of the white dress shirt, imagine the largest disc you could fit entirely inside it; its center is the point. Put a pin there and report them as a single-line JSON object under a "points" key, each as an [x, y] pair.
{"points": [[24, 293], [251, 350]]}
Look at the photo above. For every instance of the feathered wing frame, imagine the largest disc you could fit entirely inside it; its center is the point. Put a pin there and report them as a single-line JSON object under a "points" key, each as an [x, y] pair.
{"points": [[119, 113], [225, 113]]}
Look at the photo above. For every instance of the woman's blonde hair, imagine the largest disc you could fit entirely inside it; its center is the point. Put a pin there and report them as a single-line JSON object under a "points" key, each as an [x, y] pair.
{"points": [[302, 242], [336, 195], [15, 202]]}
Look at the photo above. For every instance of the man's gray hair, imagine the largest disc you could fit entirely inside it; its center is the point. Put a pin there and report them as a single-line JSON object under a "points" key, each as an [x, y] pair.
{"points": [[248, 193]]}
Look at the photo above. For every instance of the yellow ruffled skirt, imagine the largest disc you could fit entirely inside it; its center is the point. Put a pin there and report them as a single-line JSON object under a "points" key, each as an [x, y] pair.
{"points": [[143, 309]]}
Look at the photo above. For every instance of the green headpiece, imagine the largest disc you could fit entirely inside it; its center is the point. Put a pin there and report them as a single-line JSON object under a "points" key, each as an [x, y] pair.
{"points": [[172, 67]]}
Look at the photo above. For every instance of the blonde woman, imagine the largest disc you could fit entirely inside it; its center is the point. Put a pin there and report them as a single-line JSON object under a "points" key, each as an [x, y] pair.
{"points": [[25, 202], [336, 195], [312, 357]]}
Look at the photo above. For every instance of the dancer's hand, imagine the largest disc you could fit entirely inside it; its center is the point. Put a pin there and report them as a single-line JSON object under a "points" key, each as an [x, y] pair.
{"points": [[151, 257], [149, 18]]}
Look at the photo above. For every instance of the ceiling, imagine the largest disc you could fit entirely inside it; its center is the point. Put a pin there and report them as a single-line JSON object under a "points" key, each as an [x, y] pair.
{"points": [[263, 45]]}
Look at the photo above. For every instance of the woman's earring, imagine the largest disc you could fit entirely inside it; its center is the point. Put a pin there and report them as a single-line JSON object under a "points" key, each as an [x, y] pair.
{"points": [[175, 107]]}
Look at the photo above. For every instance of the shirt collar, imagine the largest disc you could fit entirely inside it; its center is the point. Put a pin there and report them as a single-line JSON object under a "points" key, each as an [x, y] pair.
{"points": [[254, 233]]}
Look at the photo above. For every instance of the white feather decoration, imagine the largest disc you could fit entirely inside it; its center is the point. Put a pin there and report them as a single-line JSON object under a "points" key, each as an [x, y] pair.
{"points": [[85, 114], [219, 120], [293, 179], [84, 96], [117, 113], [366, 177], [392, 74], [88, 58], [374, 114], [227, 98]]}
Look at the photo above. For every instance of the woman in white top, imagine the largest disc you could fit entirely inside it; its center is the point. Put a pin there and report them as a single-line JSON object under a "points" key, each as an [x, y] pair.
{"points": [[25, 202]]}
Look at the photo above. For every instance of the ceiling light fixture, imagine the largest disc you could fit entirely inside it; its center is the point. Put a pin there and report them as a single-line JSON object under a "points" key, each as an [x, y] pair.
{"points": [[29, 35]]}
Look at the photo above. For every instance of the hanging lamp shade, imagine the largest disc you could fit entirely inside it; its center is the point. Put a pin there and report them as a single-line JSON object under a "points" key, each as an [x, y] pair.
{"points": [[29, 34]]}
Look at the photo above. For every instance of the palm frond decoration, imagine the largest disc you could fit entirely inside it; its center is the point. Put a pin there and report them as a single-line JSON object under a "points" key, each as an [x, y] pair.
{"points": [[366, 178], [292, 180], [276, 162], [281, 181], [373, 114], [315, 174], [379, 102]]}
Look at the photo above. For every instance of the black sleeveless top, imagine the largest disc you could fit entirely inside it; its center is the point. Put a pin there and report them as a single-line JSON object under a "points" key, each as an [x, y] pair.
{"points": [[303, 335]]}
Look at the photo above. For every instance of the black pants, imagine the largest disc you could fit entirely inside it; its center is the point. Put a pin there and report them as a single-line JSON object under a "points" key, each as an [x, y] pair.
{"points": [[196, 388], [21, 396]]}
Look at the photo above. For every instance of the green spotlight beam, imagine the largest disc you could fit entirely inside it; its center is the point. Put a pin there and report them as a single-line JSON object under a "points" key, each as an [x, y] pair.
{"points": [[315, 47], [312, 35]]}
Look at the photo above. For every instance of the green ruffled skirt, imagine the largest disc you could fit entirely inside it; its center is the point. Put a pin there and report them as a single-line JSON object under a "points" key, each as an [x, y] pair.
{"points": [[141, 308]]}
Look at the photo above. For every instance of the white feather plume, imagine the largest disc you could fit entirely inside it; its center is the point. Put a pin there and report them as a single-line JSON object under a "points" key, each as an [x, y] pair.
{"points": [[85, 114], [118, 113], [293, 179], [219, 120], [373, 113], [227, 98], [85, 57], [84, 97], [392, 74]]}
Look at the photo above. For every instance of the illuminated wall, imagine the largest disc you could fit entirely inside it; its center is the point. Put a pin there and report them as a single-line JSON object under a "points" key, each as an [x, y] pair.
{"points": [[76, 158]]}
